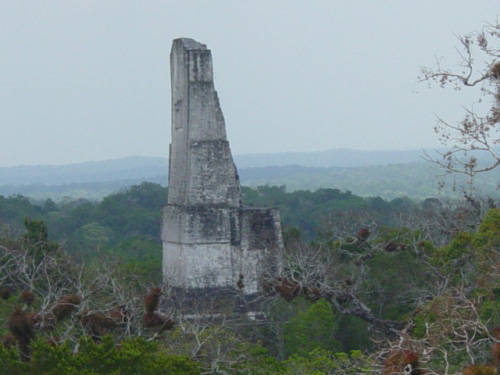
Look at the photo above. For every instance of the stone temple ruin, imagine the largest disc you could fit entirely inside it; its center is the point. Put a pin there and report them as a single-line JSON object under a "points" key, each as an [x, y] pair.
{"points": [[210, 240]]}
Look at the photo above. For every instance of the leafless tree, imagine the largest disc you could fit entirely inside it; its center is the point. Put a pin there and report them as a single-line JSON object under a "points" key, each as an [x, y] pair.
{"points": [[477, 135], [314, 272], [456, 331], [438, 221], [209, 325], [79, 300], [338, 269]]}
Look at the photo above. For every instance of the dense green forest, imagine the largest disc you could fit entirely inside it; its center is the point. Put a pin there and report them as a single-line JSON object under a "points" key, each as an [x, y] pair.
{"points": [[367, 285], [127, 224]]}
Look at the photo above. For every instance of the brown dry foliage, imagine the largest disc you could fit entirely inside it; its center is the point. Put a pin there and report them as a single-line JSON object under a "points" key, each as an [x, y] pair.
{"points": [[495, 349], [495, 332], [158, 321], [34, 318], [397, 360], [119, 314], [46, 322], [288, 289], [97, 323], [65, 306], [4, 293], [495, 354], [479, 370], [27, 297], [312, 294], [21, 327], [363, 234], [8, 340], [495, 71], [152, 300], [449, 312], [394, 246]]}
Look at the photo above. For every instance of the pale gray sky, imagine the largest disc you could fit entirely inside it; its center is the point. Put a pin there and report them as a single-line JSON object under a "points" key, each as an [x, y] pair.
{"points": [[89, 79]]}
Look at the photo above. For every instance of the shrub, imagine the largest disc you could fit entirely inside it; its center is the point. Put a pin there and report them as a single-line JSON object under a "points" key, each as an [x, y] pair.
{"points": [[131, 357]]}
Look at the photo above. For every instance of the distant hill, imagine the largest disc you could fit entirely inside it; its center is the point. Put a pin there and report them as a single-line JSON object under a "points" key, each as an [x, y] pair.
{"points": [[137, 167], [414, 180], [329, 158], [130, 168], [388, 174]]}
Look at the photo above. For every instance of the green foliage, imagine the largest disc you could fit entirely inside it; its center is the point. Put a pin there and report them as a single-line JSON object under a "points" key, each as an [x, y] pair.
{"points": [[487, 237], [310, 329], [137, 212], [36, 231], [37, 239], [324, 362], [352, 333], [488, 234], [490, 312], [459, 246], [405, 236], [127, 224], [126, 227], [14, 209], [316, 362], [134, 212], [308, 210], [291, 235], [470, 264], [89, 239], [131, 357], [140, 256], [469, 257], [394, 282], [49, 206], [420, 320], [255, 361], [10, 363]]}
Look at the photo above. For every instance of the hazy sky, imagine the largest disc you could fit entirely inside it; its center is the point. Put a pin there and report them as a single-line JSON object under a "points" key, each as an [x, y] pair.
{"points": [[89, 79]]}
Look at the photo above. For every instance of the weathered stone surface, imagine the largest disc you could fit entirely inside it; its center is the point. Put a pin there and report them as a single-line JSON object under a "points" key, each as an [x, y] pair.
{"points": [[209, 239], [201, 166]]}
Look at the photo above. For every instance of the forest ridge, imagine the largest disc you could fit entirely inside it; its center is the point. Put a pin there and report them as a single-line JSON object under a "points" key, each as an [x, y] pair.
{"points": [[388, 174]]}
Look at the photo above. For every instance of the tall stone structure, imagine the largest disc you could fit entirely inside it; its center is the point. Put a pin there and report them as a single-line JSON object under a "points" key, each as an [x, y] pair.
{"points": [[209, 238]]}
